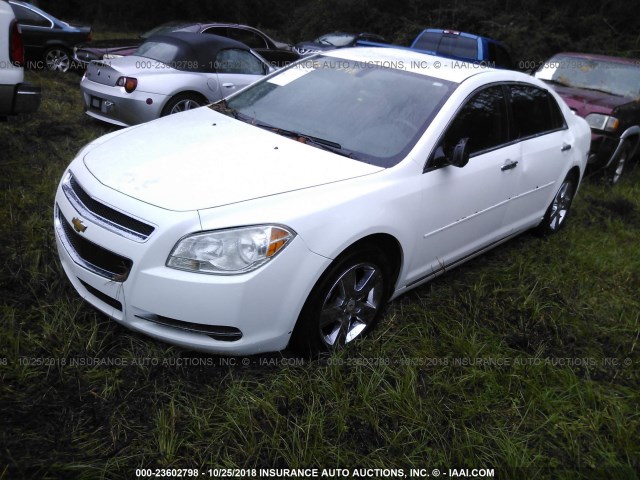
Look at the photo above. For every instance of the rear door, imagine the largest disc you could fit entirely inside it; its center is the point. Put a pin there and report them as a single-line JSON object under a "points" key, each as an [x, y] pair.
{"points": [[538, 125]]}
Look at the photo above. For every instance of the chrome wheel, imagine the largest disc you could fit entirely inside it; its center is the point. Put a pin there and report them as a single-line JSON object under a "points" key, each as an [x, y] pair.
{"points": [[556, 215], [560, 205], [618, 168], [183, 105], [351, 304], [57, 60]]}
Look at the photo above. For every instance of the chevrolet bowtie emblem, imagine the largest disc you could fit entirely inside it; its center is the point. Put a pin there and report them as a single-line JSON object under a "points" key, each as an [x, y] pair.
{"points": [[78, 226]]}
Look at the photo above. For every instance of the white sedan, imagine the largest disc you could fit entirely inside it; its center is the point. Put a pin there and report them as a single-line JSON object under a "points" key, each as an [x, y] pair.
{"points": [[168, 74], [289, 214]]}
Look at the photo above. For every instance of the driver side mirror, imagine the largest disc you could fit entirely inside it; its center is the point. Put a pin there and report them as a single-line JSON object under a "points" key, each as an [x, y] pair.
{"points": [[460, 155]]}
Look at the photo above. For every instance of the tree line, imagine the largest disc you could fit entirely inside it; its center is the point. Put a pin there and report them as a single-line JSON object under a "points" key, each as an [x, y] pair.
{"points": [[533, 29]]}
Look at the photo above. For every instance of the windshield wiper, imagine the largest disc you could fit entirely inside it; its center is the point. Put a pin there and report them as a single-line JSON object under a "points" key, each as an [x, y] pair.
{"points": [[310, 140], [334, 147], [224, 108]]}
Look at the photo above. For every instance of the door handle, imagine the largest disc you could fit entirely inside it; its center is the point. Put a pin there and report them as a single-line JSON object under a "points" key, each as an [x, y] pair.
{"points": [[509, 164], [565, 147], [228, 85]]}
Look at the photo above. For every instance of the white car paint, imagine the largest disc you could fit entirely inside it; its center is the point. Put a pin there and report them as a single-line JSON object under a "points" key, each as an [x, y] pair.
{"points": [[203, 171]]}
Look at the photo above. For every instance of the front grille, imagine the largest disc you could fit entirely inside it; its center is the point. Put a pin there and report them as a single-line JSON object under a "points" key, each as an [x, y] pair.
{"points": [[107, 217], [93, 257]]}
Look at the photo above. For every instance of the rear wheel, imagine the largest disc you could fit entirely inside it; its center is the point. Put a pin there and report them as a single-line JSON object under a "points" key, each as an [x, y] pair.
{"points": [[345, 303], [57, 59], [558, 211], [182, 103]]}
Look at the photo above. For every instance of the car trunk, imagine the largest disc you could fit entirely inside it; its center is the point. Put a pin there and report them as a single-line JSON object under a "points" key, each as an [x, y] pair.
{"points": [[107, 72]]}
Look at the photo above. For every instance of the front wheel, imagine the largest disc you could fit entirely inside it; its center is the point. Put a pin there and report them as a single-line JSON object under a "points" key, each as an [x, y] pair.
{"points": [[557, 213], [614, 172], [345, 303]]}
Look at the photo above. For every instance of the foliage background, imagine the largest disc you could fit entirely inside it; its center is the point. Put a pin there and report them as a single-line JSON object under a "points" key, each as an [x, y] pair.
{"points": [[533, 29]]}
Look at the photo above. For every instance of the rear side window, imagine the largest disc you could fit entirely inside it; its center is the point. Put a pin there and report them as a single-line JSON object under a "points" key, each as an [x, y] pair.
{"points": [[534, 111], [29, 17]]}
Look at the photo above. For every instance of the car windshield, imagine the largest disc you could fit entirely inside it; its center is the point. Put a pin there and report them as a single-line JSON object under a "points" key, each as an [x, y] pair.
{"points": [[616, 78], [370, 112]]}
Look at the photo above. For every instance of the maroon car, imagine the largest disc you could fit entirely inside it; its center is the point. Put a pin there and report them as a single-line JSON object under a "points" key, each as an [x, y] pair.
{"points": [[606, 92]]}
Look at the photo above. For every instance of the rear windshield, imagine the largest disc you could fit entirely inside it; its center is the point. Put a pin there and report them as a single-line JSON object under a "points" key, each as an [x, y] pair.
{"points": [[454, 45]]}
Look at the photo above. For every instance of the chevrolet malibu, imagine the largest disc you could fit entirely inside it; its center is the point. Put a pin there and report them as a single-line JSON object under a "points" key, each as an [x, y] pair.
{"points": [[278, 218]]}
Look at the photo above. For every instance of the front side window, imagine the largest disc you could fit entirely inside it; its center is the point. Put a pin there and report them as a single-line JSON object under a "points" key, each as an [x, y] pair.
{"points": [[233, 60], [534, 110], [482, 120]]}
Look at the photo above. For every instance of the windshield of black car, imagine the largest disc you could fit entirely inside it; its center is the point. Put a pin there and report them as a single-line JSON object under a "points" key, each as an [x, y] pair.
{"points": [[620, 79], [336, 39], [373, 112]]}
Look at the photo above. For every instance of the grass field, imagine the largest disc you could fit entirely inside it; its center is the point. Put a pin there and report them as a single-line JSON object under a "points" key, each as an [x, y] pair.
{"points": [[524, 361]]}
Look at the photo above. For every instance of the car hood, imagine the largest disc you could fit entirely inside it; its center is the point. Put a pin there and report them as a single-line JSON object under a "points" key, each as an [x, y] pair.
{"points": [[202, 159], [585, 101]]}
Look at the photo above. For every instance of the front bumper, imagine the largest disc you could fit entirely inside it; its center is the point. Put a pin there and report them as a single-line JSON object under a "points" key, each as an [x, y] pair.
{"points": [[605, 149], [114, 105], [236, 315]]}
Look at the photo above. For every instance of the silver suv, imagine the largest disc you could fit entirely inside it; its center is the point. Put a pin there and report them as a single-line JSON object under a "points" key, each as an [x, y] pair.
{"points": [[16, 96]]}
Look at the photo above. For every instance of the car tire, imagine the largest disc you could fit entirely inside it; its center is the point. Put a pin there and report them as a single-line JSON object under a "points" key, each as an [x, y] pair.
{"points": [[615, 171], [346, 302], [183, 102], [57, 59], [556, 215]]}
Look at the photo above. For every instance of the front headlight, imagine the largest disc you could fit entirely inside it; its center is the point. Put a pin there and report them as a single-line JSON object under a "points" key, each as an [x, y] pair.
{"points": [[229, 252], [599, 121]]}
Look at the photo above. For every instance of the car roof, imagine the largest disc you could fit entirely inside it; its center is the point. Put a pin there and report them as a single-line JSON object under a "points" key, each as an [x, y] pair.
{"points": [[595, 56]]}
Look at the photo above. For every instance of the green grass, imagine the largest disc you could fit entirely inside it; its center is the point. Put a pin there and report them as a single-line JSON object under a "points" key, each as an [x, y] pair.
{"points": [[525, 360]]}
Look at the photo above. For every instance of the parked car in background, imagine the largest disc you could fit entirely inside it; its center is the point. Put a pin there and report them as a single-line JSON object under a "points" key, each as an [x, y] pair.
{"points": [[457, 45], [280, 217], [606, 92], [168, 74], [85, 52], [48, 42], [16, 96], [333, 40], [275, 52]]}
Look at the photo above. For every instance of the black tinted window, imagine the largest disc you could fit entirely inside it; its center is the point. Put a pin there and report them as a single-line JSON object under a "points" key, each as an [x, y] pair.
{"points": [[249, 38], [232, 60], [29, 17], [499, 55], [483, 120], [535, 111]]}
